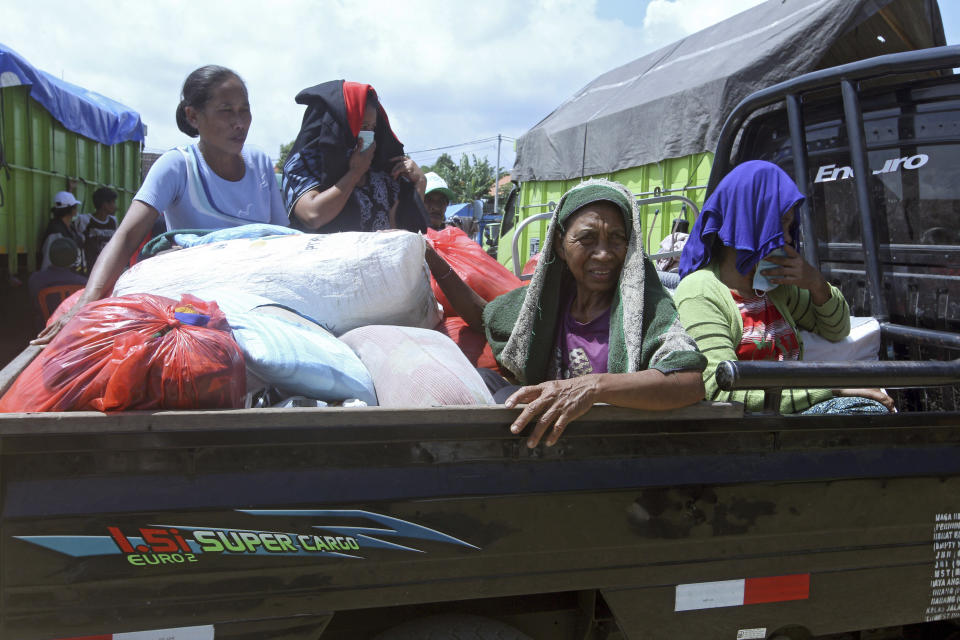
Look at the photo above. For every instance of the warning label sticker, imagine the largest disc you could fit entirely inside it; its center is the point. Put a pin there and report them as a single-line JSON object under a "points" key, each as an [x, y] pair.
{"points": [[945, 581], [735, 593]]}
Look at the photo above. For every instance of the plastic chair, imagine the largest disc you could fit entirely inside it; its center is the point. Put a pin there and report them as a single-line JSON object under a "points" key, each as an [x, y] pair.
{"points": [[51, 297]]}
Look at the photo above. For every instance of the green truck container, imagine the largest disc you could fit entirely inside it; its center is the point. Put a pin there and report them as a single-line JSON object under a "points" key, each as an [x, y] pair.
{"points": [[684, 177], [652, 124], [55, 136]]}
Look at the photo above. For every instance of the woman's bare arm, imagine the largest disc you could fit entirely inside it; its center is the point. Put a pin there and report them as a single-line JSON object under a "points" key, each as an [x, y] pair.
{"points": [[316, 208], [464, 300], [559, 402]]}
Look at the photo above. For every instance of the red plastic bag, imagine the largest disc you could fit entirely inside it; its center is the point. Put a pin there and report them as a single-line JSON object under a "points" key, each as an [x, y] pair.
{"points": [[474, 345], [531, 265], [65, 306], [135, 352], [478, 270]]}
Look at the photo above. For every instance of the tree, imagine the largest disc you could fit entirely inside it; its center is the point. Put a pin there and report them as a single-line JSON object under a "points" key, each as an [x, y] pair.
{"points": [[468, 180], [443, 167], [284, 152]]}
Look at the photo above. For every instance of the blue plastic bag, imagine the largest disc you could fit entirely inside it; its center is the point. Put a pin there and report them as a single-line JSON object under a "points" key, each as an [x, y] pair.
{"points": [[300, 359], [291, 351], [234, 233]]}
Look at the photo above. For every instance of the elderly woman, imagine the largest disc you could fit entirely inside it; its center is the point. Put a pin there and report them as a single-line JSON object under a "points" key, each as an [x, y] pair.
{"points": [[335, 180], [740, 300], [595, 324]]}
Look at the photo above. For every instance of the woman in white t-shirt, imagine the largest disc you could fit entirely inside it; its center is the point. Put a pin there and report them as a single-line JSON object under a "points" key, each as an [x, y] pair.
{"points": [[213, 184]]}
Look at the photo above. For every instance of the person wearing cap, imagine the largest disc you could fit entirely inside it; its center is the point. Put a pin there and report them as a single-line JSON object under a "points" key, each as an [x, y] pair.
{"points": [[436, 199], [63, 254], [60, 226], [96, 229], [594, 325]]}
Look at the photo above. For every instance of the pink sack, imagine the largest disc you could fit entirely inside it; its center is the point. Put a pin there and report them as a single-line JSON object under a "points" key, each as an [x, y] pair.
{"points": [[414, 367]]}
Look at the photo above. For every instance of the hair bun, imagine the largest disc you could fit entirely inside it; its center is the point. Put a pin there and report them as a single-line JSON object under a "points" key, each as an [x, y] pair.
{"points": [[183, 124]]}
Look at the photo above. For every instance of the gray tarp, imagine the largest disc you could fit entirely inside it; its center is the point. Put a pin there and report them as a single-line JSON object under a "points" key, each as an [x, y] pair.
{"points": [[672, 102]]}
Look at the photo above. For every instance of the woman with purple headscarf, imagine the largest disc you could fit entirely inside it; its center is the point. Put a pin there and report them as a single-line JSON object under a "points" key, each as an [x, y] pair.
{"points": [[745, 290]]}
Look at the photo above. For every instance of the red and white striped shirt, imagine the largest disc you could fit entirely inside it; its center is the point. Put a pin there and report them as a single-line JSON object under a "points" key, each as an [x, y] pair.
{"points": [[766, 334]]}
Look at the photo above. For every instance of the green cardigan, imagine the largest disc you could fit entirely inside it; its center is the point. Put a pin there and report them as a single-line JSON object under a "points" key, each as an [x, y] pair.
{"points": [[710, 315]]}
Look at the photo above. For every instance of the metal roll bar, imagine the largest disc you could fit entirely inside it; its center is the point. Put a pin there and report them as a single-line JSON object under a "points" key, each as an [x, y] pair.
{"points": [[515, 245], [774, 377], [846, 78]]}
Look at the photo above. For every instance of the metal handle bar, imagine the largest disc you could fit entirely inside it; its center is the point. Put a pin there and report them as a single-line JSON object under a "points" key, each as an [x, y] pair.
{"points": [[774, 377], [517, 267], [732, 375]]}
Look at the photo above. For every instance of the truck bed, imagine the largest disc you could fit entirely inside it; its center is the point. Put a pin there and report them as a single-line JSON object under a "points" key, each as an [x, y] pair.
{"points": [[427, 506]]}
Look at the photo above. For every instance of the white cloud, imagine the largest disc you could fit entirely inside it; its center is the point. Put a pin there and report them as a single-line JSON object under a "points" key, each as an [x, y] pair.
{"points": [[670, 20], [447, 72]]}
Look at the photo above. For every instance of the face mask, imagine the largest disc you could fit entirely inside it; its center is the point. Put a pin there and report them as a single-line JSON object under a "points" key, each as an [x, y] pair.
{"points": [[367, 138], [760, 281]]}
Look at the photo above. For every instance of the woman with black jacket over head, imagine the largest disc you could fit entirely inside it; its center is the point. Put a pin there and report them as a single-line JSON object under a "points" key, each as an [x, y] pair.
{"points": [[337, 179]]}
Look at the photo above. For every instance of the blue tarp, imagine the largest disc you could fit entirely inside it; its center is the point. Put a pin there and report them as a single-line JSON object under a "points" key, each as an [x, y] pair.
{"points": [[79, 110], [460, 210]]}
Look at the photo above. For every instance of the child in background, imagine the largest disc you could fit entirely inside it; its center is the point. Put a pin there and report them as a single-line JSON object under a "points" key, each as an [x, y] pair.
{"points": [[95, 229]]}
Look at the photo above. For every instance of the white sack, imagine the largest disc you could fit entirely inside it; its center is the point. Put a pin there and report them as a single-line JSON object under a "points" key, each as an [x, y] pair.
{"points": [[417, 367], [342, 280], [863, 343]]}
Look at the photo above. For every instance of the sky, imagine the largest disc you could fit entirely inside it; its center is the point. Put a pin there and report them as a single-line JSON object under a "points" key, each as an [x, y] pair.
{"points": [[447, 72]]}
